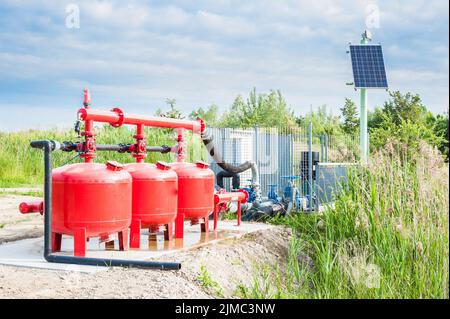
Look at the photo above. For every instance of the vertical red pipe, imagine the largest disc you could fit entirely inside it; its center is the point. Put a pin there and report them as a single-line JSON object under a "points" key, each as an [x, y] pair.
{"points": [[239, 213], [181, 154], [140, 147], [88, 148], [216, 208]]}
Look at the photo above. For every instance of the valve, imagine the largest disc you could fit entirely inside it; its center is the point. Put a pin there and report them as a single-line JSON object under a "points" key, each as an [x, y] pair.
{"points": [[32, 207], [86, 98], [77, 128]]}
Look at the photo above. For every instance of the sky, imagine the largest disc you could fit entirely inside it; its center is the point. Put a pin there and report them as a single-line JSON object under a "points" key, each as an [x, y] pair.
{"points": [[136, 54]]}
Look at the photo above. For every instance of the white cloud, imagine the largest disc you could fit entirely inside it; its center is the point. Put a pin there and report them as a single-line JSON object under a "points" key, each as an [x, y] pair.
{"points": [[137, 54], [228, 25]]}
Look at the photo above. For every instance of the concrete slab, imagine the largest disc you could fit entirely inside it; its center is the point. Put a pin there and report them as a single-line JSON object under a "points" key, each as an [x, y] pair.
{"points": [[28, 253]]}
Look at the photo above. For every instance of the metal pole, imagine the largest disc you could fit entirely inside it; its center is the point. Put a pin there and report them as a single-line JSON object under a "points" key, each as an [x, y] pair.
{"points": [[321, 148], [363, 117], [310, 167], [326, 148], [363, 126]]}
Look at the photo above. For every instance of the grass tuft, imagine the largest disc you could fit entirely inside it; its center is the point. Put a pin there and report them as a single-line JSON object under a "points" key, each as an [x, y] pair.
{"points": [[207, 282]]}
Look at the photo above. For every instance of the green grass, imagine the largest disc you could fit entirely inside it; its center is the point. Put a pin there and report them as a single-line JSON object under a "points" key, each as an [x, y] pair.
{"points": [[23, 193], [386, 237], [207, 282], [22, 166]]}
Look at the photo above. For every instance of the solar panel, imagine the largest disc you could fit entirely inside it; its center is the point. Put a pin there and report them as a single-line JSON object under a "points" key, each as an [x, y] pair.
{"points": [[368, 66]]}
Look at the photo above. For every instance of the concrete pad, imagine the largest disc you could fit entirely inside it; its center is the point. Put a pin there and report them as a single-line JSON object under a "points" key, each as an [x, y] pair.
{"points": [[29, 252]]}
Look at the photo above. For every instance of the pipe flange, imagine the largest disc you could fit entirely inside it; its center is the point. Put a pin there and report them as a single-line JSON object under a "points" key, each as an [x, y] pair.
{"points": [[119, 112]]}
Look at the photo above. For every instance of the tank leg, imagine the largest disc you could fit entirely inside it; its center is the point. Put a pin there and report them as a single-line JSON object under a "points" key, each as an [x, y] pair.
{"points": [[135, 234], [239, 213], [215, 216], [123, 239], [205, 225], [179, 226], [169, 231], [79, 239], [56, 242]]}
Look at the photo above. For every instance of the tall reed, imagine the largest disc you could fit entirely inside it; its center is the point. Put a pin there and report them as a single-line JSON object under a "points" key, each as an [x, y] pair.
{"points": [[387, 236]]}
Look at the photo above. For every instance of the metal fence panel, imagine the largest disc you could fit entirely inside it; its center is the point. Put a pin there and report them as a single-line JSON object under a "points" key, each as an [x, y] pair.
{"points": [[278, 153], [330, 179]]}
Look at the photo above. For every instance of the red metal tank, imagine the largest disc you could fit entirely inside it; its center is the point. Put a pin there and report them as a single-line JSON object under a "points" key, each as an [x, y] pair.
{"points": [[91, 200], [195, 194], [155, 189]]}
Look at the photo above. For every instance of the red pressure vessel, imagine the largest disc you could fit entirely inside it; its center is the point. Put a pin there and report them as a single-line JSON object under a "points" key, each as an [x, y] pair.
{"points": [[195, 194], [154, 206], [91, 200]]}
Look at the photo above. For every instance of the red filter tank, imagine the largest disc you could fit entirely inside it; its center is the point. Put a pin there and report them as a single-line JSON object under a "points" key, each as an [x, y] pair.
{"points": [[195, 194], [154, 199], [91, 200]]}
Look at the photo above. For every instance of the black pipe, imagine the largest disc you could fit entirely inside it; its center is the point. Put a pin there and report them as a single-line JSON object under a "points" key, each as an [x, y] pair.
{"points": [[122, 148], [236, 180], [48, 147], [207, 139], [164, 149]]}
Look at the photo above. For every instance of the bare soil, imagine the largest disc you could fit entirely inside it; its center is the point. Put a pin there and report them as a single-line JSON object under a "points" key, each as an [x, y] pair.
{"points": [[228, 263]]}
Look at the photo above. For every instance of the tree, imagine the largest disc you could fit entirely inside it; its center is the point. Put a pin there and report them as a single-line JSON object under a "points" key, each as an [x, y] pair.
{"points": [[405, 120], [405, 107], [440, 125], [350, 116], [323, 121], [265, 110], [173, 113], [210, 115], [375, 118]]}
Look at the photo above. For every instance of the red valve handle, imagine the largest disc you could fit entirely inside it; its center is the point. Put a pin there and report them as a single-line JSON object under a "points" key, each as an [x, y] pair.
{"points": [[202, 164], [162, 165], [31, 207], [114, 166]]}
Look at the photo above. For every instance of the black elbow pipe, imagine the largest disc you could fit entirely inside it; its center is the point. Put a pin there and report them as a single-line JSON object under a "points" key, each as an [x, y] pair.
{"points": [[208, 141], [236, 180], [48, 147]]}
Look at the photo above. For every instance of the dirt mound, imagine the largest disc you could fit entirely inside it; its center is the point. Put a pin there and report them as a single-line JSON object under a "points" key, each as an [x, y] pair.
{"points": [[207, 272]]}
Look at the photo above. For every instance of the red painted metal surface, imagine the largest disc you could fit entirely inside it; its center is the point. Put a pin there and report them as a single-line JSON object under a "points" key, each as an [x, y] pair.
{"points": [[195, 194], [32, 207], [139, 149], [86, 98], [117, 118], [91, 200], [155, 194], [241, 197]]}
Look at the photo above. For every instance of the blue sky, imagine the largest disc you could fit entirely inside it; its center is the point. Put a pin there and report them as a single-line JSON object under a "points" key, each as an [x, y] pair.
{"points": [[135, 54]]}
